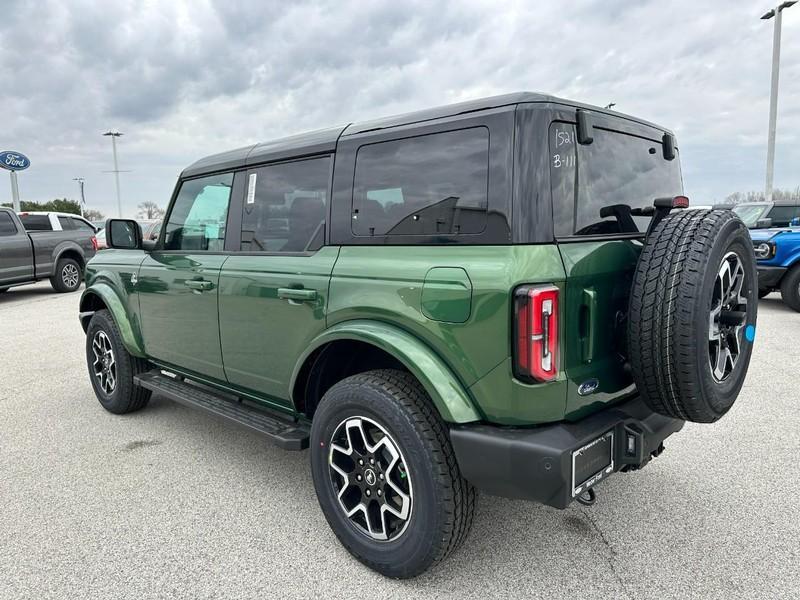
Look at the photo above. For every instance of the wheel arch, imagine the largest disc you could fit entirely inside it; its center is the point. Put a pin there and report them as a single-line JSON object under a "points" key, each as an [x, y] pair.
{"points": [[102, 297], [356, 346], [70, 250]]}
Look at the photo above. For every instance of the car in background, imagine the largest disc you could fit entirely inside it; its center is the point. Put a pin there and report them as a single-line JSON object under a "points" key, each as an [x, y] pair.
{"points": [[777, 253], [55, 221], [56, 248], [780, 214]]}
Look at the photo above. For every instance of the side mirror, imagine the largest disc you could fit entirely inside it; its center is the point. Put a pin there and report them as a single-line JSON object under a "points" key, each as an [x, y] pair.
{"points": [[123, 234], [765, 223], [795, 222]]}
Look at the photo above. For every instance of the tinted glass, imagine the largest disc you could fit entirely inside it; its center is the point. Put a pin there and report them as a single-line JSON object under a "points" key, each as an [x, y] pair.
{"points": [[615, 175], [81, 225], [781, 215], [197, 220], [36, 222], [432, 184], [66, 223], [285, 206], [7, 226]]}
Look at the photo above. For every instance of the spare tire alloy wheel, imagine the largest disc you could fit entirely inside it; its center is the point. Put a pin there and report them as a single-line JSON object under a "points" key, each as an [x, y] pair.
{"points": [[727, 318], [372, 480]]}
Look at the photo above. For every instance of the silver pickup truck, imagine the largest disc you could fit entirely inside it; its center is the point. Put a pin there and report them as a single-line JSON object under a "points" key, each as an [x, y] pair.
{"points": [[58, 252]]}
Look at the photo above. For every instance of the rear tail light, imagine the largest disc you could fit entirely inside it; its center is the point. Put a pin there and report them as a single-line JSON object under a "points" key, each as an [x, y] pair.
{"points": [[94, 243], [536, 351]]}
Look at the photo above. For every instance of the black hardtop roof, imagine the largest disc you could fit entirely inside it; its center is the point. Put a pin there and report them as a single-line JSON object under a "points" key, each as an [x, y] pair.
{"points": [[324, 140]]}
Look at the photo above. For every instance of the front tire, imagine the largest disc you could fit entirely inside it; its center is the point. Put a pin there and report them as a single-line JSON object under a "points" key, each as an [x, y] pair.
{"points": [[67, 276], [790, 289], [376, 441], [112, 368]]}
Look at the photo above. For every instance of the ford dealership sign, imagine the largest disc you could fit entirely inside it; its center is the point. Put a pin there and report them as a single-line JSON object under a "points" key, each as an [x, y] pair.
{"points": [[14, 161]]}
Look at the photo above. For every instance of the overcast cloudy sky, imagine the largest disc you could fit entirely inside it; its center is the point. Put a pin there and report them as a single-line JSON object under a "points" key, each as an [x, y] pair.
{"points": [[187, 78]]}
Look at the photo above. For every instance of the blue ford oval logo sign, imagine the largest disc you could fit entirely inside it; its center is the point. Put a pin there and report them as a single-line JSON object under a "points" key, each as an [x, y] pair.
{"points": [[14, 161], [587, 387]]}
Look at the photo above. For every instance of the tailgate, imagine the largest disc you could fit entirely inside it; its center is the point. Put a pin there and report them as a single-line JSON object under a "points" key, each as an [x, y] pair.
{"points": [[599, 279]]}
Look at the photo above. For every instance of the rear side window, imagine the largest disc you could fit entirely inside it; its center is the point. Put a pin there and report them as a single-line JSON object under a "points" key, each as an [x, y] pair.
{"points": [[197, 220], [285, 206], [426, 185], [7, 226], [66, 223], [598, 188], [36, 222]]}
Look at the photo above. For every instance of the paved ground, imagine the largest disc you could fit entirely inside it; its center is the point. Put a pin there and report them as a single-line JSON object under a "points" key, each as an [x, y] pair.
{"points": [[167, 503]]}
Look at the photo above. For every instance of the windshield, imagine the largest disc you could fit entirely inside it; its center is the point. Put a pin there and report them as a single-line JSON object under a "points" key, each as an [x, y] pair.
{"points": [[751, 213]]}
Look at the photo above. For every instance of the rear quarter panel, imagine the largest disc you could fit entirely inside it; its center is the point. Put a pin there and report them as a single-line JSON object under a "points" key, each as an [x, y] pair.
{"points": [[385, 284]]}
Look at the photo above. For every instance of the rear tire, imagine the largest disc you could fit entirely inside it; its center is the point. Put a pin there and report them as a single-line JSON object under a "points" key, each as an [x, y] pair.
{"points": [[790, 289], [693, 314], [391, 411], [67, 276], [112, 368]]}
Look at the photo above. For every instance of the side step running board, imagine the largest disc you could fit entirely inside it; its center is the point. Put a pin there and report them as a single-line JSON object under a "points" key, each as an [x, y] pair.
{"points": [[281, 430]]}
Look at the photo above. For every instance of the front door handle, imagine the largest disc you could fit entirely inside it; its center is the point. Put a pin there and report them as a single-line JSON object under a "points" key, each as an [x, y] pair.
{"points": [[300, 294], [198, 284]]}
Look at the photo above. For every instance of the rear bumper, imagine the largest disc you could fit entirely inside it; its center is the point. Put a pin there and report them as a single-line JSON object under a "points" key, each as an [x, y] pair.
{"points": [[536, 464], [770, 277]]}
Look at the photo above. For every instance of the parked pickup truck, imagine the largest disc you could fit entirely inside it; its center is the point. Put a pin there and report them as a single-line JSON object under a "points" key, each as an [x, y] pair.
{"points": [[504, 295], [58, 254], [778, 255]]}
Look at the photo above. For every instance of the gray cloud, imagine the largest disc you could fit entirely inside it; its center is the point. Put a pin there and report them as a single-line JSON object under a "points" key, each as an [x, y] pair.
{"points": [[187, 78]]}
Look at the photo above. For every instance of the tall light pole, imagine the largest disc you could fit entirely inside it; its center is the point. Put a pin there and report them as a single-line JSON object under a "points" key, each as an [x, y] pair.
{"points": [[114, 135], [773, 96], [80, 181]]}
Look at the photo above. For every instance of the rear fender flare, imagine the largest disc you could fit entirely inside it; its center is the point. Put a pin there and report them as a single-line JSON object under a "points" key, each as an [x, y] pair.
{"points": [[448, 395]]}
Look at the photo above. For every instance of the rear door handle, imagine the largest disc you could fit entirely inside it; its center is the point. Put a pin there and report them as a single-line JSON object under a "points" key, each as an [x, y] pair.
{"points": [[301, 295], [198, 284]]}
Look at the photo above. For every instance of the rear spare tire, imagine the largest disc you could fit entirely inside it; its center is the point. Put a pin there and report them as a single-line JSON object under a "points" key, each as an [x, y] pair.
{"points": [[693, 314]]}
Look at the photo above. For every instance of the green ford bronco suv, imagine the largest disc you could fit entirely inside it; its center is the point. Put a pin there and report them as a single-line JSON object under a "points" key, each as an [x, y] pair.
{"points": [[501, 295]]}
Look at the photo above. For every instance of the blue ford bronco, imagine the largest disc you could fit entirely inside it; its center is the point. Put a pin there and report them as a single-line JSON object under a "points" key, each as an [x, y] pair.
{"points": [[777, 251]]}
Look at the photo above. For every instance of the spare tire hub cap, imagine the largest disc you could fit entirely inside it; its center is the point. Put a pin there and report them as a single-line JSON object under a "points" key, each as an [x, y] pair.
{"points": [[727, 317]]}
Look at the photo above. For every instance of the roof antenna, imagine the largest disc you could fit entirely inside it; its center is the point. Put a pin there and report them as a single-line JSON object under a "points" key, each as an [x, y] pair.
{"points": [[610, 104]]}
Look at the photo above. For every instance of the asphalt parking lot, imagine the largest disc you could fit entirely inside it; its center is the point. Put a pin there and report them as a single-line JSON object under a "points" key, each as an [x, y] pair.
{"points": [[168, 503]]}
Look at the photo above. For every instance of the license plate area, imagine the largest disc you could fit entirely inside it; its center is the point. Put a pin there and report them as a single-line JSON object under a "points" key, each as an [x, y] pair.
{"points": [[592, 462]]}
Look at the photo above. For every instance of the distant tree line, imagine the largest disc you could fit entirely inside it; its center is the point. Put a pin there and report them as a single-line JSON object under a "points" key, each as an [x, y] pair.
{"points": [[777, 196], [59, 205]]}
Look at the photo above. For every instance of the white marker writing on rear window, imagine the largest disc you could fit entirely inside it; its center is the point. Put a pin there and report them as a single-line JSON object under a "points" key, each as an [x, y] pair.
{"points": [[251, 189]]}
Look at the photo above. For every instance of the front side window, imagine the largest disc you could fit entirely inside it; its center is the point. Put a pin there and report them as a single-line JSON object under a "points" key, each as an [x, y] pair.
{"points": [[426, 185], [7, 226], [599, 188], [285, 206], [197, 220], [81, 225]]}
